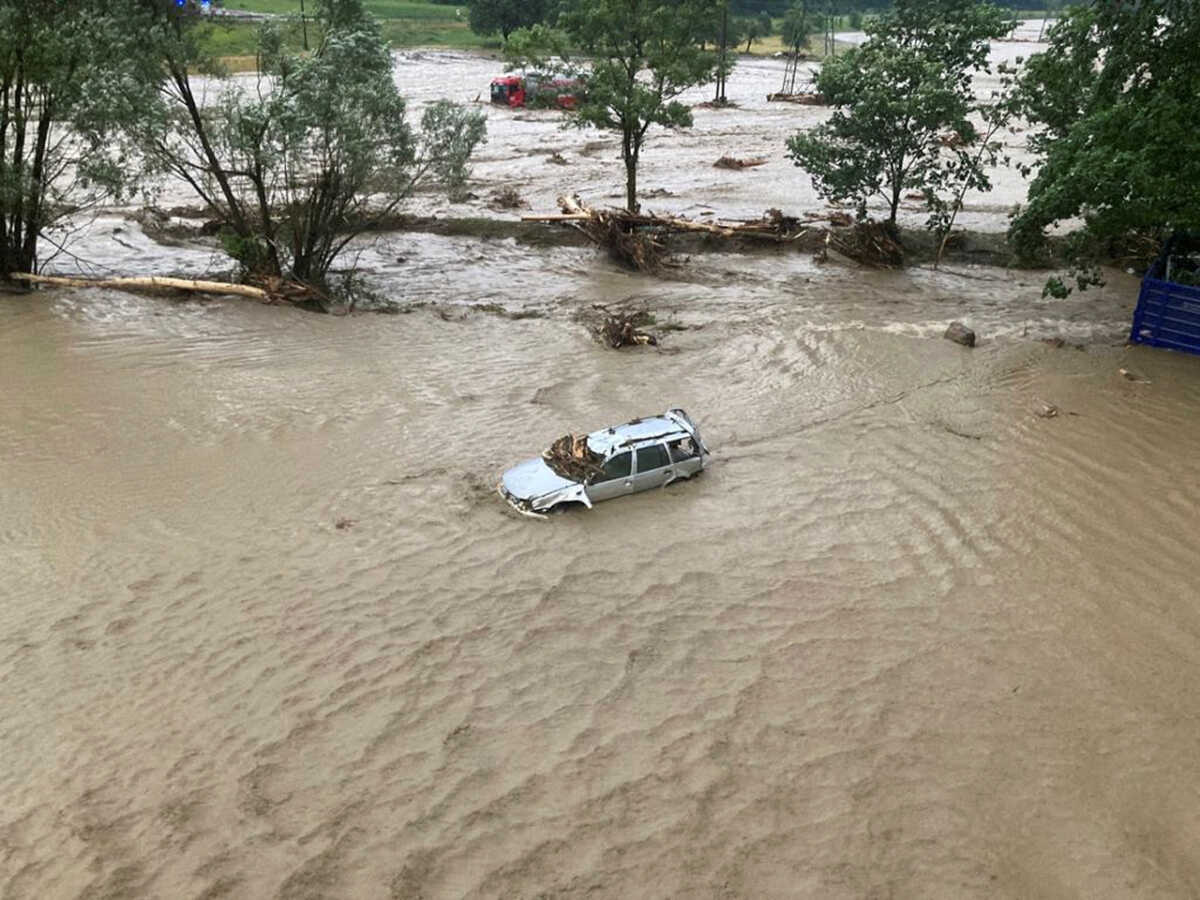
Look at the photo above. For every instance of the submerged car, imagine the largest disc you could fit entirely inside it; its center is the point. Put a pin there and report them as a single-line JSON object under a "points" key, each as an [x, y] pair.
{"points": [[624, 459]]}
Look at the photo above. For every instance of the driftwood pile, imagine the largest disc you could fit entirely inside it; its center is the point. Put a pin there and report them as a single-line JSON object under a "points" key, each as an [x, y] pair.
{"points": [[570, 457], [617, 331], [639, 240], [732, 162]]}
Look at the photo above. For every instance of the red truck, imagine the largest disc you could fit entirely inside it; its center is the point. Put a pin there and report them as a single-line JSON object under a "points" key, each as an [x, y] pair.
{"points": [[536, 90]]}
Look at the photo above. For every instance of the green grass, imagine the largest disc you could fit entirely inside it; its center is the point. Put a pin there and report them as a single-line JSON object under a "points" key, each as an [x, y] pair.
{"points": [[383, 9], [405, 24]]}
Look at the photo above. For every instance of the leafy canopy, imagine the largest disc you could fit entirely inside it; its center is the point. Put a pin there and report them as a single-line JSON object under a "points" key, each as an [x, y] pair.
{"points": [[894, 99], [313, 154], [71, 79], [506, 16], [1115, 96], [644, 54]]}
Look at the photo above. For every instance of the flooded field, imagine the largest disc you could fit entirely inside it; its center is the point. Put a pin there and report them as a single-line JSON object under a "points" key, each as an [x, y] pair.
{"points": [[267, 630]]}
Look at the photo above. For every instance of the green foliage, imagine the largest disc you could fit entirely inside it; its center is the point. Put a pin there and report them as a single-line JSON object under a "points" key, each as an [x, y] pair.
{"points": [[1115, 96], [643, 55], [750, 30], [316, 152], [895, 97], [69, 80], [506, 16], [797, 25]]}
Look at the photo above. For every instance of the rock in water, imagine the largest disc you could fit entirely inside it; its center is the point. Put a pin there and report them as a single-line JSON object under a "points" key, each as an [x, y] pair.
{"points": [[960, 334]]}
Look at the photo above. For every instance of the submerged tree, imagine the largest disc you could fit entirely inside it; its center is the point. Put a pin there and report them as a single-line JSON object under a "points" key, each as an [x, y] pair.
{"points": [[644, 54], [1115, 96], [318, 152], [61, 119], [902, 105]]}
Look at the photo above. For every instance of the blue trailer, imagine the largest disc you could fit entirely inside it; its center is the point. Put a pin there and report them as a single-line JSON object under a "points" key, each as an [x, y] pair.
{"points": [[1168, 311]]}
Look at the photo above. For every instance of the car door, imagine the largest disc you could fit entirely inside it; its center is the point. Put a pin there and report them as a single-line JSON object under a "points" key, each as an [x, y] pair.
{"points": [[653, 467], [616, 479], [685, 458]]}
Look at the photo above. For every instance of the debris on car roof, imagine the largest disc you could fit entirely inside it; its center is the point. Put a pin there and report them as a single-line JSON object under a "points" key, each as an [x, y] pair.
{"points": [[571, 458]]}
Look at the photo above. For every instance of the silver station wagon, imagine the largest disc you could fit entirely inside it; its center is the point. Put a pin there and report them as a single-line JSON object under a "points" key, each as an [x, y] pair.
{"points": [[624, 459]]}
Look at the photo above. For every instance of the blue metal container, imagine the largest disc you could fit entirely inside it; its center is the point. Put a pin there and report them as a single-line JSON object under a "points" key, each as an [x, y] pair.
{"points": [[1167, 314]]}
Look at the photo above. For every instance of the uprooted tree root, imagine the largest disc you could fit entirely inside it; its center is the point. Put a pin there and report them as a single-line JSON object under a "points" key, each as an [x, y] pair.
{"points": [[639, 240], [617, 330]]}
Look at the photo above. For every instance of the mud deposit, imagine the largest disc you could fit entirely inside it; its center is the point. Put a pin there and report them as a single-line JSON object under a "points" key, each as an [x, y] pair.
{"points": [[267, 631]]}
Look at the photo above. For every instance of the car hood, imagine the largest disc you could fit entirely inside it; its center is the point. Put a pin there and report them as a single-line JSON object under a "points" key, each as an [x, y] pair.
{"points": [[532, 479]]}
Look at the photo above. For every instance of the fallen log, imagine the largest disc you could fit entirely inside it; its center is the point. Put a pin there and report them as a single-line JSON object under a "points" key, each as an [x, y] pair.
{"points": [[154, 281], [274, 290]]}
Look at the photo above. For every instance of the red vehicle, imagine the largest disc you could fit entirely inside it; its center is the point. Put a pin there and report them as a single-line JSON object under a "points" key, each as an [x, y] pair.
{"points": [[536, 90], [508, 90]]}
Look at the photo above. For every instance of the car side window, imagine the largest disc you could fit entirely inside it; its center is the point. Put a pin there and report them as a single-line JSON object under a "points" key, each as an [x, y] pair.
{"points": [[618, 466], [683, 449], [652, 457]]}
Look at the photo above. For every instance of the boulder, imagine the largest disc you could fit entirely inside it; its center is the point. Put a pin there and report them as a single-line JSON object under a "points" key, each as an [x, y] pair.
{"points": [[960, 334]]}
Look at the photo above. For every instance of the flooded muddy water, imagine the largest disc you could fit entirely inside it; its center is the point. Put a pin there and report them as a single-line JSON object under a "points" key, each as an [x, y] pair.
{"points": [[266, 629]]}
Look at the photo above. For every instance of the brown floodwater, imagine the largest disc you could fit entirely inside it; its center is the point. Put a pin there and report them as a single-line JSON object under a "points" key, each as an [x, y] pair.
{"points": [[266, 630], [903, 638]]}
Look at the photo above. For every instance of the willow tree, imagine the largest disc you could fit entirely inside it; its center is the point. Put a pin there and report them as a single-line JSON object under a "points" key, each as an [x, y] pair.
{"points": [[644, 54], [318, 151], [70, 79]]}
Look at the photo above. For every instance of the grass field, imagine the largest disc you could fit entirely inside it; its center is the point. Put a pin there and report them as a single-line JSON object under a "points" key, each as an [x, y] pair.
{"points": [[405, 24]]}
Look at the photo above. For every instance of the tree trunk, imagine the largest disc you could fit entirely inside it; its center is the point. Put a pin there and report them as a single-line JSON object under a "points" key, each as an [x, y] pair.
{"points": [[630, 155], [895, 203], [720, 95]]}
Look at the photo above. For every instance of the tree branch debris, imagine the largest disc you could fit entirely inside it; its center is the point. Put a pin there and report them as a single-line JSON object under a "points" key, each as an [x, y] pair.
{"points": [[639, 240]]}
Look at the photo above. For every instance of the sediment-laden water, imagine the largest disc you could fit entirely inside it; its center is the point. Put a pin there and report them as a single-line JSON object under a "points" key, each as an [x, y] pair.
{"points": [[903, 638], [267, 631]]}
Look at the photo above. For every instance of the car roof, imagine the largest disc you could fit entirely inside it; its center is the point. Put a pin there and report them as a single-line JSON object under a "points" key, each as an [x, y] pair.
{"points": [[636, 432]]}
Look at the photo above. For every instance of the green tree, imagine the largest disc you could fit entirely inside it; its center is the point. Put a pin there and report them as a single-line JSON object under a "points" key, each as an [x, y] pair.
{"points": [[1115, 96], [316, 153], [751, 30], [797, 25], [61, 151], [894, 98], [505, 16], [644, 54], [726, 34]]}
